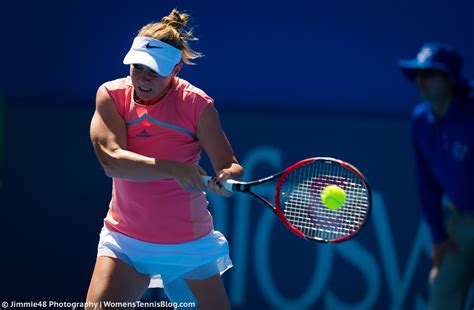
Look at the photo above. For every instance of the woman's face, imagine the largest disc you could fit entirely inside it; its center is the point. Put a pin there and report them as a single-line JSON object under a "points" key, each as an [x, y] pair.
{"points": [[148, 84]]}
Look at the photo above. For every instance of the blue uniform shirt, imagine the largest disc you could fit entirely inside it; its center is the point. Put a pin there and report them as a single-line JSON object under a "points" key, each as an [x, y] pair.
{"points": [[444, 160]]}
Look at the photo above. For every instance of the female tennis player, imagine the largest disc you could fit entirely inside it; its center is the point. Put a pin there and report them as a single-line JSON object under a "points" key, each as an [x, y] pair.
{"points": [[148, 130]]}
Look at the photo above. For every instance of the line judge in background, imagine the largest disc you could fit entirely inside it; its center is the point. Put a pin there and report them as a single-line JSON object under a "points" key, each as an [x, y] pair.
{"points": [[443, 138]]}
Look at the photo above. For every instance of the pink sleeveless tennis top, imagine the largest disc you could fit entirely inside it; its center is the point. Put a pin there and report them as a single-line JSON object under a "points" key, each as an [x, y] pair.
{"points": [[159, 211]]}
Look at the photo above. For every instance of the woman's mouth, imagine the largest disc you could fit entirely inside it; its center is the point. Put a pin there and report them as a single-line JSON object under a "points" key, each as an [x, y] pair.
{"points": [[144, 89]]}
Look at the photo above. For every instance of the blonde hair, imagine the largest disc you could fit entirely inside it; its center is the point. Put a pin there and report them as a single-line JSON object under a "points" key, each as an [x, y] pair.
{"points": [[171, 31]]}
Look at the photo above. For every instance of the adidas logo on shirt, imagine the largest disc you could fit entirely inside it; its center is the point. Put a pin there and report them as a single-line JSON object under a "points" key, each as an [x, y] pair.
{"points": [[143, 134]]}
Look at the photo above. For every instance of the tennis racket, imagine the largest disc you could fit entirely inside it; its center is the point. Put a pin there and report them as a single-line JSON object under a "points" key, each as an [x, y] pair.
{"points": [[298, 201]]}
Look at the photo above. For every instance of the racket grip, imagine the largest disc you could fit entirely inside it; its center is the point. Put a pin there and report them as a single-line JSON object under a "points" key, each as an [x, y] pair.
{"points": [[227, 185]]}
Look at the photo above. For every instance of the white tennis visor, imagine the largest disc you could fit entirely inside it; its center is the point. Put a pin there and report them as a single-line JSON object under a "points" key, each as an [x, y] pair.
{"points": [[155, 54]]}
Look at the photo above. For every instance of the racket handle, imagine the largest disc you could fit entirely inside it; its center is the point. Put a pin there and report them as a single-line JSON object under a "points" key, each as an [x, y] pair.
{"points": [[227, 185]]}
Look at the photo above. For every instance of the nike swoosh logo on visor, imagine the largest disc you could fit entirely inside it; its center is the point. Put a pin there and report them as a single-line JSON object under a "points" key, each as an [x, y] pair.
{"points": [[151, 46]]}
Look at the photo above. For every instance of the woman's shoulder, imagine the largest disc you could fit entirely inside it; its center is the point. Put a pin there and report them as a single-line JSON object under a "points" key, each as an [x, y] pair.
{"points": [[118, 84], [189, 91], [119, 90]]}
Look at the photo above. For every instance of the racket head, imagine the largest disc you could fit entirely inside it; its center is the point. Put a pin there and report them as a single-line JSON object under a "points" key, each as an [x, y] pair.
{"points": [[298, 202]]}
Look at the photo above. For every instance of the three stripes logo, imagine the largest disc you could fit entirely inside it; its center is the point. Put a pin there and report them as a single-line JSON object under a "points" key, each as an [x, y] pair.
{"points": [[143, 134]]}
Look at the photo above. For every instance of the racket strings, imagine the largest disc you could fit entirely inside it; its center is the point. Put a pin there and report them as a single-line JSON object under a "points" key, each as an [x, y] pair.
{"points": [[303, 208]]}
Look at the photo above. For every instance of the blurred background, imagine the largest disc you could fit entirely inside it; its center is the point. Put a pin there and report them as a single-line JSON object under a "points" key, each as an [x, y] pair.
{"points": [[291, 80]]}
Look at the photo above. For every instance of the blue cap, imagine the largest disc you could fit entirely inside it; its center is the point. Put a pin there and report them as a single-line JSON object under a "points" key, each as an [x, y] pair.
{"points": [[435, 56]]}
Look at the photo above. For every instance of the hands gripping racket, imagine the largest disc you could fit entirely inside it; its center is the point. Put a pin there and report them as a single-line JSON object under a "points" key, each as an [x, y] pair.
{"points": [[298, 201]]}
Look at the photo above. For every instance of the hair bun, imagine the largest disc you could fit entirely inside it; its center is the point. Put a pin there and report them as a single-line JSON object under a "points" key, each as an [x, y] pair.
{"points": [[170, 30], [176, 19]]}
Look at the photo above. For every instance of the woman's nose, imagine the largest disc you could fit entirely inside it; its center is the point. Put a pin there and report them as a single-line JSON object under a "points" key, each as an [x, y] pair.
{"points": [[144, 76]]}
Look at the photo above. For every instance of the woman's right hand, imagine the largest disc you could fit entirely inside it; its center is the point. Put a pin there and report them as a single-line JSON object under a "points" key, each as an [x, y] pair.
{"points": [[188, 176]]}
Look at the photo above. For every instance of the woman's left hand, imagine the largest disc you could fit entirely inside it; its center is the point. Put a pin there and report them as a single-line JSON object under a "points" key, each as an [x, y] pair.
{"points": [[216, 184]]}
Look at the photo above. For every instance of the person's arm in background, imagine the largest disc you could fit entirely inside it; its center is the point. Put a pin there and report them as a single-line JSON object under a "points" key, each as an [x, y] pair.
{"points": [[219, 150], [432, 209], [108, 134]]}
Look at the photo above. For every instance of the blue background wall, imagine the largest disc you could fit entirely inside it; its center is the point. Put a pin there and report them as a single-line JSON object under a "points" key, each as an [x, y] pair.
{"points": [[306, 78], [330, 55]]}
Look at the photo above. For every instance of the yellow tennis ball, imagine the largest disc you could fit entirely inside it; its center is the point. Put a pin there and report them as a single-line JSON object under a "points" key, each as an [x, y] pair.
{"points": [[333, 197]]}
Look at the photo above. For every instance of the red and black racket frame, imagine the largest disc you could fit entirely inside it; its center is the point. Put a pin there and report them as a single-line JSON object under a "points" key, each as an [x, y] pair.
{"points": [[244, 187]]}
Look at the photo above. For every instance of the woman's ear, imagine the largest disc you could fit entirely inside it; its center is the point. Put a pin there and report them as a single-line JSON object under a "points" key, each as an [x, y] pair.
{"points": [[177, 68]]}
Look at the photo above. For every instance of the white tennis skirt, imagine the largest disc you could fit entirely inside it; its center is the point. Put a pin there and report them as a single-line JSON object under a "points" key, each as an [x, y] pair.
{"points": [[197, 259]]}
